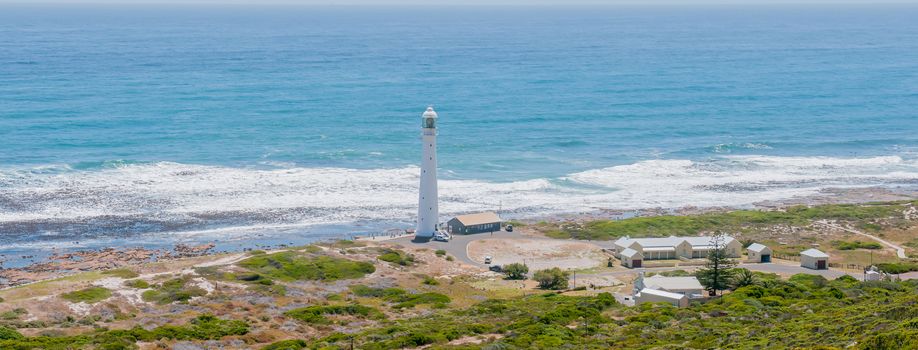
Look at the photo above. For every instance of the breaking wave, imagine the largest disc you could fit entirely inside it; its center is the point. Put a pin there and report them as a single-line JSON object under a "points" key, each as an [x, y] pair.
{"points": [[135, 199]]}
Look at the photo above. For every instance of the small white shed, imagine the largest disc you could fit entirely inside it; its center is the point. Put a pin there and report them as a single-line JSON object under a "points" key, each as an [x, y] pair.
{"points": [[632, 258], [758, 253], [648, 295], [814, 259]]}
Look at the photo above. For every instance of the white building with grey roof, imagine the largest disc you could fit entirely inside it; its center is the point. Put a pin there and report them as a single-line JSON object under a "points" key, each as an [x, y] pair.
{"points": [[676, 247]]}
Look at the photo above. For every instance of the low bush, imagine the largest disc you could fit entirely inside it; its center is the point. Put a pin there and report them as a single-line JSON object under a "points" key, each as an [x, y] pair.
{"points": [[316, 314], [138, 284], [174, 290], [292, 344], [364, 291], [430, 281], [290, 266], [440, 252], [897, 268], [124, 273], [411, 300], [8, 334], [843, 245], [203, 327], [89, 295], [396, 256]]}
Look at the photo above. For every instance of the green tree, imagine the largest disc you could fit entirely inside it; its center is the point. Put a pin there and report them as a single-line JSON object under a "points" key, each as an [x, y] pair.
{"points": [[553, 278], [516, 271], [717, 274]]}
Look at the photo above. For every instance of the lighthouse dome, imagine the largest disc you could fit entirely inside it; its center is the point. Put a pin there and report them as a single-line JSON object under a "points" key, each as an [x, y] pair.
{"points": [[429, 113]]}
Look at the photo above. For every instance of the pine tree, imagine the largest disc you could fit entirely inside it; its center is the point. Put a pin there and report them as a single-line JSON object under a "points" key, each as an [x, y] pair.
{"points": [[718, 272]]}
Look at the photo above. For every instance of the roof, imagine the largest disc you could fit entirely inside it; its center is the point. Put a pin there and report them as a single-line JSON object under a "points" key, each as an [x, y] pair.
{"points": [[755, 247], [630, 253], [659, 249], [478, 218], [672, 283], [814, 253], [663, 293], [695, 242]]}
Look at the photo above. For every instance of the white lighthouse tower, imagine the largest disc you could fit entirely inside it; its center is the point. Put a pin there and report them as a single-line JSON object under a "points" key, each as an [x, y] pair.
{"points": [[428, 213]]}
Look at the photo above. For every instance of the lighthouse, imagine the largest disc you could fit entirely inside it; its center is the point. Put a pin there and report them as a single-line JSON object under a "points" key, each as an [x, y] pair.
{"points": [[428, 213]]}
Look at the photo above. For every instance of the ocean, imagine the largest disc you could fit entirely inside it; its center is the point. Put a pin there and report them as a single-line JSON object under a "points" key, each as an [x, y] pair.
{"points": [[151, 125]]}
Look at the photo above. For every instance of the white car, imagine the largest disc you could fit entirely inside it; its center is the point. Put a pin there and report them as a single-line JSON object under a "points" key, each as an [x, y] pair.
{"points": [[488, 260]]}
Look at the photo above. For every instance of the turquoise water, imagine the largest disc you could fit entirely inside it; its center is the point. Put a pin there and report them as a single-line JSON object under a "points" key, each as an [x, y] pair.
{"points": [[155, 124]]}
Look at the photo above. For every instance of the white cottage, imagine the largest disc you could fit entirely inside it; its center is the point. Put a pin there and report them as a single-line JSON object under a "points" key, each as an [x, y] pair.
{"points": [[676, 247], [758, 253], [814, 259], [631, 258]]}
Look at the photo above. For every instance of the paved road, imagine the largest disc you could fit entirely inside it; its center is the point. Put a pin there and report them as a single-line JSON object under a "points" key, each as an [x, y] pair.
{"points": [[458, 246]]}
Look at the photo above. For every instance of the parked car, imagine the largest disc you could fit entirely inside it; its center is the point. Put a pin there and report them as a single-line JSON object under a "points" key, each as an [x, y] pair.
{"points": [[495, 268], [441, 237], [509, 228], [488, 260]]}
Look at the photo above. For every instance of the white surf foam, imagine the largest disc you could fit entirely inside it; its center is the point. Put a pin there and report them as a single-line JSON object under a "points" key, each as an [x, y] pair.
{"points": [[212, 195]]}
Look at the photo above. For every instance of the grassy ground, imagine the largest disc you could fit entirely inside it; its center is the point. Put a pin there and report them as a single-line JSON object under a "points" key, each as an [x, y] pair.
{"points": [[733, 221]]}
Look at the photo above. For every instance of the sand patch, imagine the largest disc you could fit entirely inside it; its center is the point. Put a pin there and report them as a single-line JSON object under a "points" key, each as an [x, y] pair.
{"points": [[538, 254]]}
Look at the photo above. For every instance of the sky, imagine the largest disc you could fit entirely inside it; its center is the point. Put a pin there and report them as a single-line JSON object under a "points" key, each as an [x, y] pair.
{"points": [[463, 2]]}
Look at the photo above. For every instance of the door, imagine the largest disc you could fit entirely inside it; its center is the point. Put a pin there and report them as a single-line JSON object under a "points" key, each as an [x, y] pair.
{"points": [[635, 263], [766, 258], [820, 264]]}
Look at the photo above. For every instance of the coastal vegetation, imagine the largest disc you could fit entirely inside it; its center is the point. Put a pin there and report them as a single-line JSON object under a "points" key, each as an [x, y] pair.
{"points": [[396, 256], [290, 266], [734, 221], [553, 278], [89, 295], [806, 311], [173, 290], [516, 271], [204, 327], [318, 314], [843, 245], [121, 273]]}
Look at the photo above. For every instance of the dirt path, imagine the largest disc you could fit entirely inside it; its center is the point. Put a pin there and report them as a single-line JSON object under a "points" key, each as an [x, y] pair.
{"points": [[899, 250]]}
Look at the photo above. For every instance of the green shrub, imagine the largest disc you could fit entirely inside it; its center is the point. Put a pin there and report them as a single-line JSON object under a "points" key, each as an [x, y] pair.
{"points": [[440, 252], [516, 271], [364, 291], [174, 290], [897, 268], [738, 220], [430, 281], [13, 314], [138, 284], [553, 278], [8, 334], [124, 273], [395, 256], [411, 300], [316, 314], [89, 295], [290, 266], [203, 327], [292, 344], [842, 245]]}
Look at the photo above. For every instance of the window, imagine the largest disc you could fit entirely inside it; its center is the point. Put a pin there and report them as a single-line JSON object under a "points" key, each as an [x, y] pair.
{"points": [[428, 123]]}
